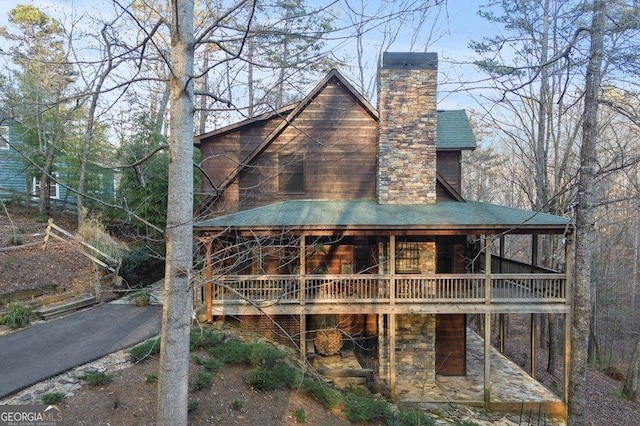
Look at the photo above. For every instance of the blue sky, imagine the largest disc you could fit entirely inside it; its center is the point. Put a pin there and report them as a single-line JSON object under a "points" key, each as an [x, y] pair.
{"points": [[456, 25]]}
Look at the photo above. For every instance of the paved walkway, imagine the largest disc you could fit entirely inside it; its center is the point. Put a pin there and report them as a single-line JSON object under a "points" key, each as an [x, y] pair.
{"points": [[48, 349]]}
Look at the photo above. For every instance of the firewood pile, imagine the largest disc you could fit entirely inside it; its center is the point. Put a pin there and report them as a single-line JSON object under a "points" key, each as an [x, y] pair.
{"points": [[328, 342]]}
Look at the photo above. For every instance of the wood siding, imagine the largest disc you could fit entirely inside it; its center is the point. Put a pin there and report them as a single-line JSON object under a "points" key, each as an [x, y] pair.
{"points": [[335, 137], [451, 359], [448, 165]]}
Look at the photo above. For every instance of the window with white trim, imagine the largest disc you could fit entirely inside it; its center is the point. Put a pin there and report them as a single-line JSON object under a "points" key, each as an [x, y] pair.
{"points": [[4, 137], [54, 187]]}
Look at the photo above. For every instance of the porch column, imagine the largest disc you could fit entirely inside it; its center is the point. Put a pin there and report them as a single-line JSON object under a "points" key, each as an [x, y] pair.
{"points": [[208, 275], [488, 239], [302, 295], [502, 327], [568, 256], [534, 252], [533, 341], [392, 316]]}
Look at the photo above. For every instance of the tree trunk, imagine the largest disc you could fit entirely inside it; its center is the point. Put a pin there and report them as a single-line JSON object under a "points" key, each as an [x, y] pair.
{"points": [[584, 223], [631, 382], [173, 383]]}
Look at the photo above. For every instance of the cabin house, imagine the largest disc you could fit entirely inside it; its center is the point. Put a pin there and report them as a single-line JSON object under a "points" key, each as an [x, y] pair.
{"points": [[330, 213], [19, 179]]}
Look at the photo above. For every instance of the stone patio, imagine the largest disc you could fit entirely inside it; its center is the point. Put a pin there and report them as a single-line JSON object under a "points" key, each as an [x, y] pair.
{"points": [[512, 389]]}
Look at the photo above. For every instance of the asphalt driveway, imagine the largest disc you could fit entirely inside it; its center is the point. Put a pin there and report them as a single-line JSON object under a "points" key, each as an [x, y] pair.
{"points": [[45, 350]]}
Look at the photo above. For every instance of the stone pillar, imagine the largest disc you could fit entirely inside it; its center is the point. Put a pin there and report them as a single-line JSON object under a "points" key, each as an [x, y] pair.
{"points": [[415, 356], [407, 129]]}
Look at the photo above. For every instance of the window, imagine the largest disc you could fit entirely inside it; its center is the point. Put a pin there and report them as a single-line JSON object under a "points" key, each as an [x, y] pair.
{"points": [[290, 174], [54, 188], [407, 258], [4, 137]]}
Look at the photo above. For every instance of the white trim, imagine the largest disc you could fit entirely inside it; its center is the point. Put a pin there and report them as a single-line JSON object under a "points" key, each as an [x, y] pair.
{"points": [[55, 187], [4, 137]]}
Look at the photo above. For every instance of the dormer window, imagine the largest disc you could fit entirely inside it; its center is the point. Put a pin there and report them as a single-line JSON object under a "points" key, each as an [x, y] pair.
{"points": [[290, 174]]}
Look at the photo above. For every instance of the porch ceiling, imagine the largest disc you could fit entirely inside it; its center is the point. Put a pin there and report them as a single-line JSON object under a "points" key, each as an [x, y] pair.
{"points": [[363, 215]]}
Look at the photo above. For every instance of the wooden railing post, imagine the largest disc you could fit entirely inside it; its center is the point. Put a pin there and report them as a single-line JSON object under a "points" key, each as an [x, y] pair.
{"points": [[392, 270], [488, 239], [47, 233]]}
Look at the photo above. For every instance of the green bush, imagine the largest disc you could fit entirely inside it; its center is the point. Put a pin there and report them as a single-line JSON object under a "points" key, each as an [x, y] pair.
{"points": [[145, 350], [53, 398], [193, 405], [151, 378], [413, 418], [231, 352], [300, 416], [236, 405], [97, 378], [17, 316], [362, 409], [264, 354], [328, 396], [212, 364], [271, 378], [202, 381], [204, 339], [142, 265]]}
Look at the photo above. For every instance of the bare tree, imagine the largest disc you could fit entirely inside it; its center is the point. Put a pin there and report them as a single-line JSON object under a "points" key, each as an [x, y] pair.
{"points": [[584, 221], [173, 389]]}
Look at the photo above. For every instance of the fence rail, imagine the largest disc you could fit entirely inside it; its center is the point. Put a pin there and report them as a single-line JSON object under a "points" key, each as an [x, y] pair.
{"points": [[398, 289]]}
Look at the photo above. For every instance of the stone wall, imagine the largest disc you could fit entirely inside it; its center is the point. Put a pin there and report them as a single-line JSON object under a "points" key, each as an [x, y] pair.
{"points": [[407, 129]]}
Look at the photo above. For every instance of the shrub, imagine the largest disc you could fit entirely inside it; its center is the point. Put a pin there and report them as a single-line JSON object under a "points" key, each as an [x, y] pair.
{"points": [[212, 364], [328, 396], [17, 316], [142, 297], [231, 351], [264, 354], [271, 378], [53, 398], [145, 350], [92, 231], [142, 265], [236, 405], [204, 339], [299, 415], [97, 378], [151, 378], [413, 418], [202, 381], [361, 409], [193, 405]]}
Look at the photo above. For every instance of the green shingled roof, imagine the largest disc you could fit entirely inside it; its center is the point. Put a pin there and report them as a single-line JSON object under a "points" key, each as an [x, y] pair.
{"points": [[368, 214], [454, 131]]}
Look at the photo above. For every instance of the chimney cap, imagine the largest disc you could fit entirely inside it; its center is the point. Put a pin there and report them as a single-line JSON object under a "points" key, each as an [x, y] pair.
{"points": [[410, 60]]}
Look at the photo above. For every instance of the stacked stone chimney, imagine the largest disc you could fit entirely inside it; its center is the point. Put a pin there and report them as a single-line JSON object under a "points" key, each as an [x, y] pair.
{"points": [[407, 129]]}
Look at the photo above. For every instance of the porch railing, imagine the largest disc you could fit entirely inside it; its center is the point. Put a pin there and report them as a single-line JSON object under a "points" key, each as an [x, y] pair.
{"points": [[368, 288]]}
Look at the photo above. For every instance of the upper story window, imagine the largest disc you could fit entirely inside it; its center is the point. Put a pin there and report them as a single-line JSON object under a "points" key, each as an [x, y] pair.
{"points": [[4, 137], [290, 174], [54, 188]]}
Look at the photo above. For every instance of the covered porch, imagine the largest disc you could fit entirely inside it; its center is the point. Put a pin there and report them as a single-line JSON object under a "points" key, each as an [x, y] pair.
{"points": [[406, 267]]}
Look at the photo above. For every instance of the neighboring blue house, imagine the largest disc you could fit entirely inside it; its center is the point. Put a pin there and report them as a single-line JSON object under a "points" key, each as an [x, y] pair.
{"points": [[17, 179]]}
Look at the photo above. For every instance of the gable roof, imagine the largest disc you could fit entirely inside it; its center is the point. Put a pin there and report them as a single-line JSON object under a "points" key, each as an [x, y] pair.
{"points": [[361, 215], [454, 131]]}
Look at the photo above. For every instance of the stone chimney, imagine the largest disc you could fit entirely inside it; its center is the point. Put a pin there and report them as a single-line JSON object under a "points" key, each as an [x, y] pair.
{"points": [[407, 129]]}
